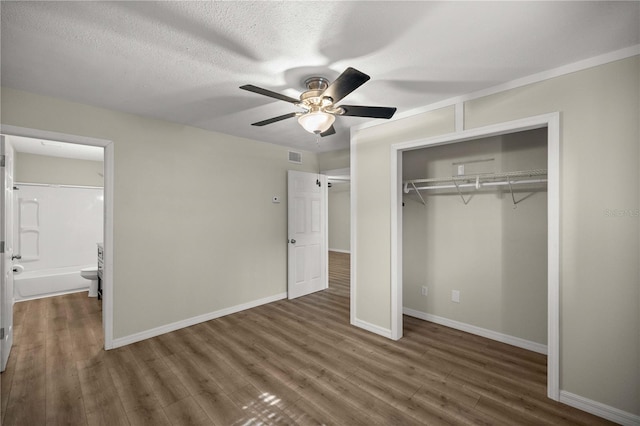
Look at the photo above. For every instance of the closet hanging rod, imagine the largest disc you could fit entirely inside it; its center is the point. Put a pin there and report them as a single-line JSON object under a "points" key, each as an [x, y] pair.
{"points": [[482, 176], [474, 185]]}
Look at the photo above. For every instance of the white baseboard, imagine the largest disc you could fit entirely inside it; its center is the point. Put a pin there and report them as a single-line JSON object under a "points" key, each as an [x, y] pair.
{"points": [[599, 409], [489, 334], [384, 332], [147, 334], [340, 251]]}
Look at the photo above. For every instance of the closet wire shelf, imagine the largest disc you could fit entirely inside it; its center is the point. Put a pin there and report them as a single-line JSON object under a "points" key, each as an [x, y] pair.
{"points": [[483, 180]]}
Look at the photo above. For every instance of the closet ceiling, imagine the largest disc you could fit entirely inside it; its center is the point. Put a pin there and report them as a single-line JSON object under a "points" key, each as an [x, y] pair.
{"points": [[184, 61]]}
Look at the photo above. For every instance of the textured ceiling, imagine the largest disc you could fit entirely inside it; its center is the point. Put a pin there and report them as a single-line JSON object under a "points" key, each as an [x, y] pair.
{"points": [[184, 61]]}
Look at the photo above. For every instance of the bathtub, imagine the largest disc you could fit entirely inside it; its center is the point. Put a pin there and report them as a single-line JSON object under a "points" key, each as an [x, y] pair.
{"points": [[49, 282]]}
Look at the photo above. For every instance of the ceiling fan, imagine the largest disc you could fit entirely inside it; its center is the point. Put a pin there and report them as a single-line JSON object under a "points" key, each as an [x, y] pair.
{"points": [[319, 102]]}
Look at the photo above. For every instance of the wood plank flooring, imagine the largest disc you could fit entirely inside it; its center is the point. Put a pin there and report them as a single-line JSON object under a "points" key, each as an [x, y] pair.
{"points": [[289, 362]]}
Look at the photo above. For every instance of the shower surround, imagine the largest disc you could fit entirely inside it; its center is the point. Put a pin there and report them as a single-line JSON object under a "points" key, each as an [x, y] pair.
{"points": [[56, 231]]}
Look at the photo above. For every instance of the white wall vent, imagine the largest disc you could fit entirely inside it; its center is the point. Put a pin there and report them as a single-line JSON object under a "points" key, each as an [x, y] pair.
{"points": [[295, 157]]}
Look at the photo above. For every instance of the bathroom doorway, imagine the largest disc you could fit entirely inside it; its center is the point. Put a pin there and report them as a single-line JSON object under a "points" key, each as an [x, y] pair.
{"points": [[58, 216], [84, 174]]}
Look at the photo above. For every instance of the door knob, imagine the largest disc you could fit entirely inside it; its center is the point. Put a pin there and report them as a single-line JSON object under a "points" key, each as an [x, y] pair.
{"points": [[293, 241], [16, 256]]}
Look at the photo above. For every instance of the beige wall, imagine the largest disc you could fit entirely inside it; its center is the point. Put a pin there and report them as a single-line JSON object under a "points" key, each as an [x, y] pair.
{"points": [[370, 185], [493, 254], [32, 168], [195, 229], [599, 273], [333, 160], [339, 212]]}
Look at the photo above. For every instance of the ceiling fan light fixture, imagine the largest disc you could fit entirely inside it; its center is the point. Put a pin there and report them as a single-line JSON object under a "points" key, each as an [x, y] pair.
{"points": [[319, 102], [316, 121]]}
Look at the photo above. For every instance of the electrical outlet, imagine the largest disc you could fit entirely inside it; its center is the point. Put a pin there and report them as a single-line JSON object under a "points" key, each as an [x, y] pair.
{"points": [[425, 290], [455, 296]]}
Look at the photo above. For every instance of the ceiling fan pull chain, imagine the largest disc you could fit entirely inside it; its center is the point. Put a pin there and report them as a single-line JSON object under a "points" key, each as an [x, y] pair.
{"points": [[318, 181]]}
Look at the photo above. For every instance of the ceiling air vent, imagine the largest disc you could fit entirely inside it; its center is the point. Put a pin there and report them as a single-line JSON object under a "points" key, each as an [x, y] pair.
{"points": [[295, 157]]}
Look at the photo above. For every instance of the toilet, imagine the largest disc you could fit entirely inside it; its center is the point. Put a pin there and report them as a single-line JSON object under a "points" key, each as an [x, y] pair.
{"points": [[91, 274]]}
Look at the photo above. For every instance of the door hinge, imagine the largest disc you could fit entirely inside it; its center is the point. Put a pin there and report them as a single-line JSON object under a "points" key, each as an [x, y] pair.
{"points": [[2, 160], [1, 246], [2, 333]]}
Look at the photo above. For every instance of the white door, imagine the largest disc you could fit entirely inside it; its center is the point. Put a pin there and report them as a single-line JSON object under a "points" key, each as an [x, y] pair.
{"points": [[307, 217], [6, 249]]}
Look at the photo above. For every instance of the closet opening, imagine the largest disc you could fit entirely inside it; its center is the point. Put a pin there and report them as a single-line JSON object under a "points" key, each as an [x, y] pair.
{"points": [[475, 235]]}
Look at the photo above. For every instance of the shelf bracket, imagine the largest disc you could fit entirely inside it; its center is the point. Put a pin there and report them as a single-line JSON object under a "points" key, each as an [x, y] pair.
{"points": [[513, 198], [418, 192], [460, 193]]}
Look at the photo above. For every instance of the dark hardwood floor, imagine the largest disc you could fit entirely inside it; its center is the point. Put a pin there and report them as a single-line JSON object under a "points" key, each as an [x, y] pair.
{"points": [[289, 362]]}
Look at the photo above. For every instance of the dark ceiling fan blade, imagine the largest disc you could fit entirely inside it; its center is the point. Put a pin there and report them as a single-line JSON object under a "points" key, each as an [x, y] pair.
{"points": [[265, 92], [275, 119], [346, 83], [368, 111], [330, 131]]}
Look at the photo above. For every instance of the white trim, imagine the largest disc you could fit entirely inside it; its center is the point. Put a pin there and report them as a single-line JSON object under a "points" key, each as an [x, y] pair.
{"points": [[459, 116], [520, 125], [552, 123], [108, 246], [553, 256], [479, 331], [384, 332], [533, 78], [340, 251], [7, 129], [353, 245], [107, 300], [325, 254], [599, 409], [147, 334], [396, 245]]}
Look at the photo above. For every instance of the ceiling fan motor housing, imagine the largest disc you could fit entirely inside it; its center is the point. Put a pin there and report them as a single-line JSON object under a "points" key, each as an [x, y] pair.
{"points": [[312, 98]]}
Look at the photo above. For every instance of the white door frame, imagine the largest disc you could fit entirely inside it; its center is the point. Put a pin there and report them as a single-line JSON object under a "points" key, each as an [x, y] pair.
{"points": [[6, 281], [552, 123], [107, 299]]}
